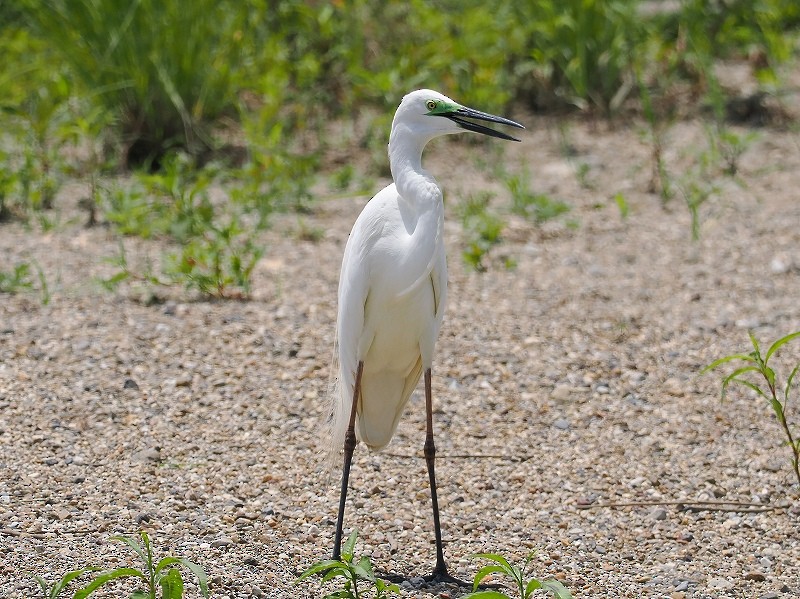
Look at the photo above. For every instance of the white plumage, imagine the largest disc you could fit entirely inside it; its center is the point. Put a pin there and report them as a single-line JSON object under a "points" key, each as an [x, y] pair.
{"points": [[393, 291]]}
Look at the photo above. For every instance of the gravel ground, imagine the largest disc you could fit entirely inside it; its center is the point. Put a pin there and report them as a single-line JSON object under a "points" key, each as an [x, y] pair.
{"points": [[570, 383]]}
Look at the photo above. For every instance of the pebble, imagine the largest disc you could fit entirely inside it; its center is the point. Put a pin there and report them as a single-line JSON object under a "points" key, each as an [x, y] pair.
{"points": [[719, 584], [561, 392], [755, 575], [561, 424], [658, 513]]}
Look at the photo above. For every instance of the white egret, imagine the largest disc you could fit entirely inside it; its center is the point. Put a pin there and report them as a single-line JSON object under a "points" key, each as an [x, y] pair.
{"points": [[392, 293]]}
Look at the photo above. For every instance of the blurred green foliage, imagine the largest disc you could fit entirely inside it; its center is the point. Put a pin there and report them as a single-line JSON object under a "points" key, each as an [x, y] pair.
{"points": [[97, 86]]}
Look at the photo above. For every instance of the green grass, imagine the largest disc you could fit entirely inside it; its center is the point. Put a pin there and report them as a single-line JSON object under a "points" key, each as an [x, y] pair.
{"points": [[757, 364]]}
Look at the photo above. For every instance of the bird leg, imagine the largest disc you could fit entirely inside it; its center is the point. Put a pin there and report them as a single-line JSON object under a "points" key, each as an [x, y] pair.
{"points": [[440, 573], [349, 447]]}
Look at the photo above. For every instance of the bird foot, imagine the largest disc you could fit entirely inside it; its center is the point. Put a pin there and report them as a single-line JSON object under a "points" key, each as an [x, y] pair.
{"points": [[444, 577]]}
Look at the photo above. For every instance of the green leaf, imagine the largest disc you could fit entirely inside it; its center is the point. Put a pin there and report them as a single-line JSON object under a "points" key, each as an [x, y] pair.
{"points": [[726, 359], [506, 567], [782, 341], [43, 585], [349, 546], [789, 383], [486, 571], [200, 574], [778, 409], [106, 577], [489, 594], [345, 572], [171, 585], [363, 569], [165, 562], [532, 585], [322, 566], [559, 590], [733, 376], [754, 341], [133, 544], [66, 579], [140, 594], [755, 388]]}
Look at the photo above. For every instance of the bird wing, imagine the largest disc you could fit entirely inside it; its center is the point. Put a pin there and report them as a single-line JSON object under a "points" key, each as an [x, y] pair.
{"points": [[353, 296]]}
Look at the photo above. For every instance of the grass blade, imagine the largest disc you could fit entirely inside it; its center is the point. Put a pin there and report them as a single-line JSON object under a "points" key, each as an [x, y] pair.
{"points": [[726, 359], [133, 544], [780, 342], [199, 572], [106, 577]]}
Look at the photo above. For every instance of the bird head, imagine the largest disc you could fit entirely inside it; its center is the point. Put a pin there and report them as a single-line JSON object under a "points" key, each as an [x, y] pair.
{"points": [[429, 113]]}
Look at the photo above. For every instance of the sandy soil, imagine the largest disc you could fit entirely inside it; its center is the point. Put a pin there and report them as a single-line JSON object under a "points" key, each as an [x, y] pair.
{"points": [[570, 382]]}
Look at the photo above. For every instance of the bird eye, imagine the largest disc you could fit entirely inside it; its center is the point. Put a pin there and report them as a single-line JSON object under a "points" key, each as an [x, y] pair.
{"points": [[431, 104]]}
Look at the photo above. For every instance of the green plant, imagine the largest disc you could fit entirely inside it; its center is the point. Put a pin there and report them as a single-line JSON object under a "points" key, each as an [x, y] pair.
{"points": [[622, 204], [758, 364], [17, 280], [161, 579], [696, 191], [165, 89], [524, 586], [54, 591], [538, 207], [352, 571], [583, 50], [483, 229]]}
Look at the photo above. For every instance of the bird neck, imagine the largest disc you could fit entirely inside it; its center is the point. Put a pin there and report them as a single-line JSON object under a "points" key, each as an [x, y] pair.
{"points": [[405, 160]]}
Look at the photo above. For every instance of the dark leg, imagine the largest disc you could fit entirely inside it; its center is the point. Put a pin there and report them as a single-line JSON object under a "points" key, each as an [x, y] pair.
{"points": [[349, 447], [440, 573]]}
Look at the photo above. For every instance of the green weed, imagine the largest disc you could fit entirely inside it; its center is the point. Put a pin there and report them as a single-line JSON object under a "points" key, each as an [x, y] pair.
{"points": [[538, 207], [159, 579], [163, 88], [17, 280], [53, 591], [482, 227], [524, 586], [622, 205], [352, 571], [759, 365]]}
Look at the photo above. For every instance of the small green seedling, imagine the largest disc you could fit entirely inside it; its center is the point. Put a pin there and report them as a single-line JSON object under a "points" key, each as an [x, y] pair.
{"points": [[53, 591], [759, 364], [16, 280], [353, 570], [161, 580], [525, 587]]}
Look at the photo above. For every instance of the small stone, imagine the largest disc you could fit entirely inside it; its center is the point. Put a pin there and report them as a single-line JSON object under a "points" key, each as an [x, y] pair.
{"points": [[222, 542], [719, 584], [561, 392], [149, 454], [561, 424], [770, 595], [778, 266], [658, 514], [683, 585], [755, 575], [130, 384]]}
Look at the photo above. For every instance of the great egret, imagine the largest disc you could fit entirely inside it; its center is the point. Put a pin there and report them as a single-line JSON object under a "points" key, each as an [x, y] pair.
{"points": [[392, 293]]}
